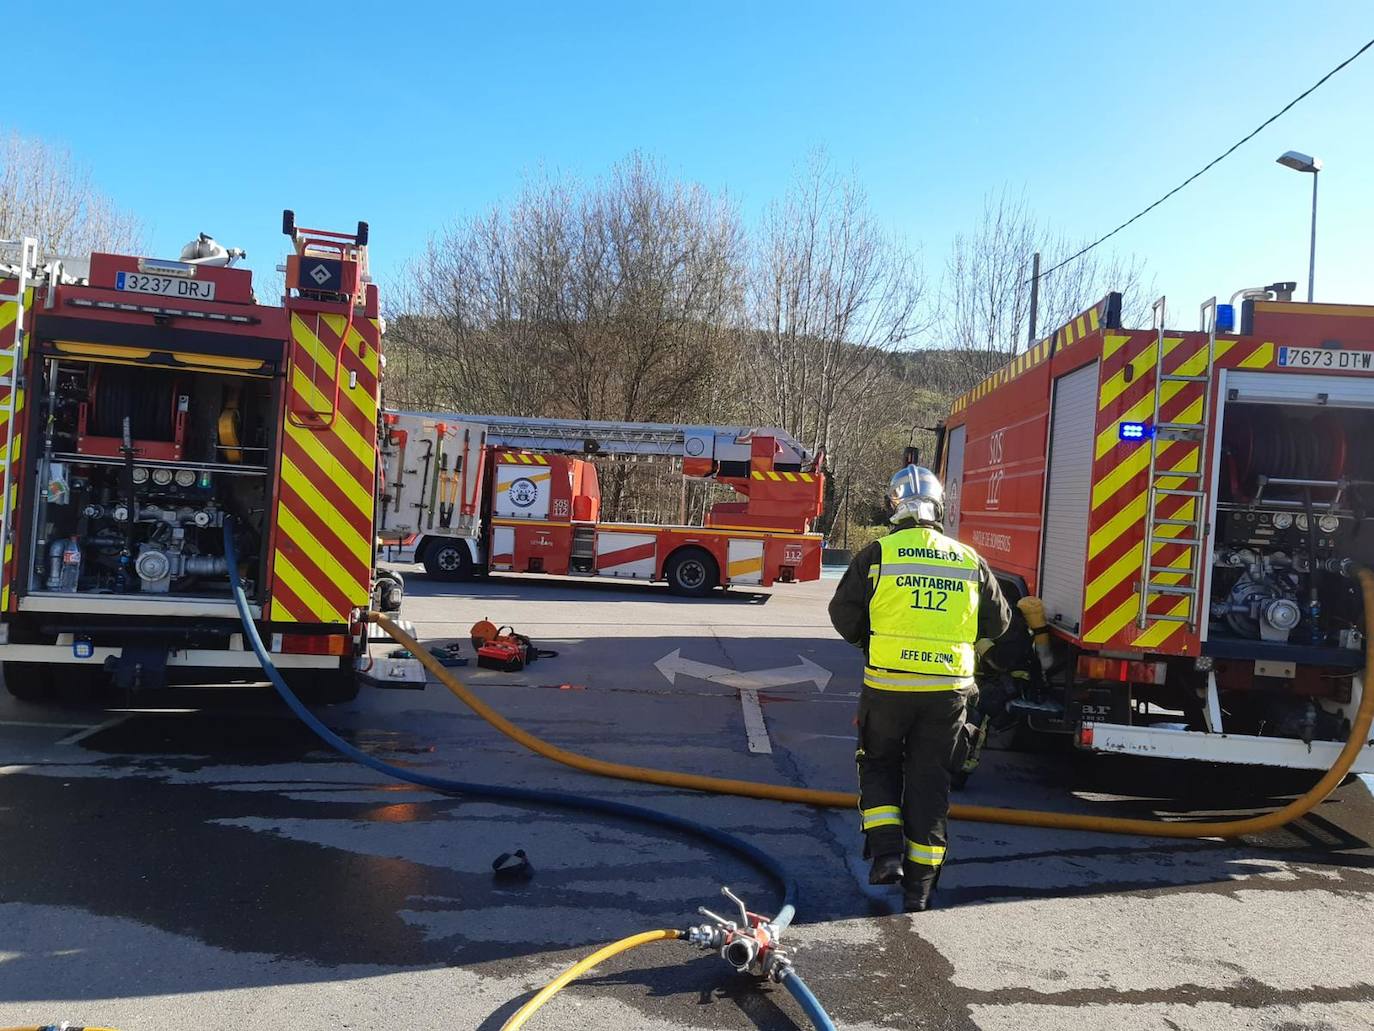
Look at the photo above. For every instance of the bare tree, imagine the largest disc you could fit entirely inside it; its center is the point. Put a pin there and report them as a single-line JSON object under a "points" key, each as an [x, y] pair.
{"points": [[1083, 282], [831, 296], [986, 296], [45, 192], [986, 302], [611, 300]]}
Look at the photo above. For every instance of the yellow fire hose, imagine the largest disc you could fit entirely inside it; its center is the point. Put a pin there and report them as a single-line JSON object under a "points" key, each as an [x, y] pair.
{"points": [[579, 968], [1359, 735]]}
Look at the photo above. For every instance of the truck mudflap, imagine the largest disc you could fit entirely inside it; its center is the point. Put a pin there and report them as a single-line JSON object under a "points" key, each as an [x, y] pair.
{"points": [[1239, 749]]}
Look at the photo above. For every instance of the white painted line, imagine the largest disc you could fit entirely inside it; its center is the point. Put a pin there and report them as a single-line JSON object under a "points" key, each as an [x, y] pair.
{"points": [[40, 723], [86, 732], [753, 722]]}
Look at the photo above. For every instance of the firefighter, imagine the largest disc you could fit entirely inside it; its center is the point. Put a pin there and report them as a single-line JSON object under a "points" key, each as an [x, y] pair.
{"points": [[916, 602]]}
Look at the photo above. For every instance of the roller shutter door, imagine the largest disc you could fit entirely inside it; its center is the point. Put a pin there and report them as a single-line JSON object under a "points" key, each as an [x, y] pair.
{"points": [[1069, 491]]}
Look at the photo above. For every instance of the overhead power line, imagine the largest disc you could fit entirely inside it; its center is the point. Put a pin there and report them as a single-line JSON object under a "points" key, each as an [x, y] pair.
{"points": [[1216, 160]]}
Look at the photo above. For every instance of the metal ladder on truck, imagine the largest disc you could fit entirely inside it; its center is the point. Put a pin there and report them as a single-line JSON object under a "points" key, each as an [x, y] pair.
{"points": [[1193, 485], [11, 367]]}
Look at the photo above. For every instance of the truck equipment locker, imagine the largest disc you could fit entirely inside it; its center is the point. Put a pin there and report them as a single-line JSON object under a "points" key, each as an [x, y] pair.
{"points": [[1067, 498], [145, 402]]}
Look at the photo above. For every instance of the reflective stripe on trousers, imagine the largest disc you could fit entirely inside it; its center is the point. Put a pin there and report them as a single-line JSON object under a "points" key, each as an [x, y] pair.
{"points": [[926, 855], [881, 816]]}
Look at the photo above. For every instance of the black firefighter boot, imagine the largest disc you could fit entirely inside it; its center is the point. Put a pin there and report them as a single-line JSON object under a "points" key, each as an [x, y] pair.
{"points": [[917, 887], [886, 869]]}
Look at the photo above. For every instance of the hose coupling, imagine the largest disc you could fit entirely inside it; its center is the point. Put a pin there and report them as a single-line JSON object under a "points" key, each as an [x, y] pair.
{"points": [[740, 951], [706, 936], [777, 965]]}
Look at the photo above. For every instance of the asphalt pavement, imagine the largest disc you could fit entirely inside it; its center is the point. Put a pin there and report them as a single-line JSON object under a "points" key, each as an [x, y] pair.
{"points": [[201, 861]]}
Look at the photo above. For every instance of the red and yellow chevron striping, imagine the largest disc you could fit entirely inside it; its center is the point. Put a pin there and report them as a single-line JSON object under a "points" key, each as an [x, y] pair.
{"points": [[322, 558], [789, 477], [11, 433], [1077, 328], [1120, 492]]}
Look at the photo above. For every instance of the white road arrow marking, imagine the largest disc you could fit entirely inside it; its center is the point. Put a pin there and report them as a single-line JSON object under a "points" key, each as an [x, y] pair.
{"points": [[754, 726], [674, 665]]}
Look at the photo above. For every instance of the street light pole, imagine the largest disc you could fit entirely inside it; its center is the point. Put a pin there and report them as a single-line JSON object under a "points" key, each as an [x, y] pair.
{"points": [[1299, 162], [1312, 250]]}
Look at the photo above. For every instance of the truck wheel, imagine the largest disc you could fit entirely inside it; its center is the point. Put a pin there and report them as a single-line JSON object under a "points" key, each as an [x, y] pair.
{"points": [[322, 686], [692, 572], [29, 681], [448, 560]]}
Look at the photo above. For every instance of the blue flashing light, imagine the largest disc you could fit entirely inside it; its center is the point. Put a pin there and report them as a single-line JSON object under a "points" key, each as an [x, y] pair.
{"points": [[1226, 318], [1135, 431]]}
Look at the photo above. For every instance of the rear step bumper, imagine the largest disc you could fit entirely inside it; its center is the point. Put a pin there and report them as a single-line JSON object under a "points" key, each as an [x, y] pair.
{"points": [[1160, 743], [201, 658]]}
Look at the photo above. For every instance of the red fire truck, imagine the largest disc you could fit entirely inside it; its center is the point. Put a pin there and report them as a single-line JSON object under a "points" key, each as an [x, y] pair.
{"points": [[467, 494], [1190, 506], [143, 402]]}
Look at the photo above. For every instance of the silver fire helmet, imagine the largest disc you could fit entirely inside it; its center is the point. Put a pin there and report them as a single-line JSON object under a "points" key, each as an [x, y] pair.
{"points": [[915, 493]]}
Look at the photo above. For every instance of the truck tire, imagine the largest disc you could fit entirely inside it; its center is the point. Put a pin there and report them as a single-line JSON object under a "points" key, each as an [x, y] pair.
{"points": [[322, 686], [448, 560], [692, 572], [29, 681]]}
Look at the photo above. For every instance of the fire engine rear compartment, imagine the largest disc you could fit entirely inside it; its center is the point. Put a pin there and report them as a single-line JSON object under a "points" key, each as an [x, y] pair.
{"points": [[1293, 494], [135, 469]]}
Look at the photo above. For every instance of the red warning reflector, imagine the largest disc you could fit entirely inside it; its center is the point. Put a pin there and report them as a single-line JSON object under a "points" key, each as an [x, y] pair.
{"points": [[1085, 736], [314, 644]]}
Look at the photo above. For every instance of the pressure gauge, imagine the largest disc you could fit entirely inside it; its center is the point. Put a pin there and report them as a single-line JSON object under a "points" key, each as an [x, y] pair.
{"points": [[1328, 524], [1302, 521], [140, 474], [162, 477], [1283, 520], [186, 477]]}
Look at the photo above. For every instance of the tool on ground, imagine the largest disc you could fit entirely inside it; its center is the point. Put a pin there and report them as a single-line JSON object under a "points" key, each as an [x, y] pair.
{"points": [[503, 649], [449, 654], [512, 866]]}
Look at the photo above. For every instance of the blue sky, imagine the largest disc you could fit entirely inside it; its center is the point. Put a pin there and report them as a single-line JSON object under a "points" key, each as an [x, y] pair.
{"points": [[214, 117]]}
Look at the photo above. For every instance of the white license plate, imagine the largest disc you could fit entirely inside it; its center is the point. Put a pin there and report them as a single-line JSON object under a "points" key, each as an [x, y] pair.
{"points": [[165, 286], [1325, 358]]}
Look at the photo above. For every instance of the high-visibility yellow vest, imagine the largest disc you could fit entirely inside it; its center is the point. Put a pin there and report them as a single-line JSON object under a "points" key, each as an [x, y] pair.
{"points": [[923, 616]]}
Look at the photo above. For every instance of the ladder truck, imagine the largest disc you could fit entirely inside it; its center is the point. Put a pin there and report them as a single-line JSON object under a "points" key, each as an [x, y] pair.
{"points": [[145, 402], [467, 494], [1190, 507]]}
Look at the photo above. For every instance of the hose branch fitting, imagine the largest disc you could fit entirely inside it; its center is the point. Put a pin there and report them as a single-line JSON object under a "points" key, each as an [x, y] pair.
{"points": [[749, 944]]}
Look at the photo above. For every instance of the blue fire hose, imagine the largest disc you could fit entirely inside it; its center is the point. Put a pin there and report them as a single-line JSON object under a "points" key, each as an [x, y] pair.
{"points": [[751, 854], [808, 1001]]}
